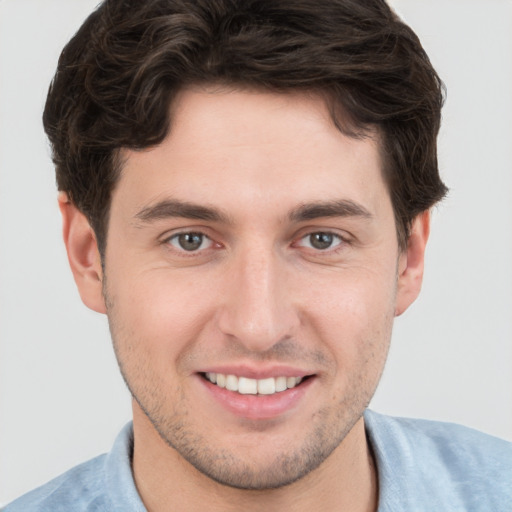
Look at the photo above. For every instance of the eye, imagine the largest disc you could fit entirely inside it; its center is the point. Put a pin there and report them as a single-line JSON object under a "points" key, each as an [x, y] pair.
{"points": [[321, 241], [190, 241]]}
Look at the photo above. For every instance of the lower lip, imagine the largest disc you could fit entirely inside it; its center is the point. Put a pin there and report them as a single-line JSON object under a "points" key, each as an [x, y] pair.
{"points": [[258, 407]]}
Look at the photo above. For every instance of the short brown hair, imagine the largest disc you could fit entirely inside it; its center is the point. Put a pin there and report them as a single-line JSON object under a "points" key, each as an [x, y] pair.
{"points": [[118, 75]]}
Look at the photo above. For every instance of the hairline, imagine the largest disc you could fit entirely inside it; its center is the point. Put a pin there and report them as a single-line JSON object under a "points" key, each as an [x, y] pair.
{"points": [[335, 110]]}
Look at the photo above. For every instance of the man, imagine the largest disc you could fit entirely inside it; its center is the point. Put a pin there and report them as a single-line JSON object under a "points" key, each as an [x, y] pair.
{"points": [[245, 189]]}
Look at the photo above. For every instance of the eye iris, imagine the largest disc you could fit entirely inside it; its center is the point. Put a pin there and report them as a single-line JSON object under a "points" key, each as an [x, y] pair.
{"points": [[190, 241], [321, 240]]}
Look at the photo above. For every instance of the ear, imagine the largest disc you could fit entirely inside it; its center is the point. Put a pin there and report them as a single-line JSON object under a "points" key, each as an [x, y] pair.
{"points": [[411, 262], [83, 255]]}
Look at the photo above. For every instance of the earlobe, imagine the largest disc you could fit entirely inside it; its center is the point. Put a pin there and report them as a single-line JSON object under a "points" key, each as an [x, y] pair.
{"points": [[83, 255], [411, 263]]}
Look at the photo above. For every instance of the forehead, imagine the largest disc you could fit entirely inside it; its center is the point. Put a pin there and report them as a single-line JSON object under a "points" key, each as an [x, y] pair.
{"points": [[240, 146], [261, 115]]}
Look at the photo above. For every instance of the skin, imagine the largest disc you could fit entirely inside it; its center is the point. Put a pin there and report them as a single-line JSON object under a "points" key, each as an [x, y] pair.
{"points": [[257, 295]]}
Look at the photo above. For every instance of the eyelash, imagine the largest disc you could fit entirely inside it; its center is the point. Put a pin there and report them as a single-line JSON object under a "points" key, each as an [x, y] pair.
{"points": [[331, 249], [184, 251]]}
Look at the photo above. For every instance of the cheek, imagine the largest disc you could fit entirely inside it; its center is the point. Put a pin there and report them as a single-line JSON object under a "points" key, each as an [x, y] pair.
{"points": [[157, 314], [353, 314], [354, 295]]}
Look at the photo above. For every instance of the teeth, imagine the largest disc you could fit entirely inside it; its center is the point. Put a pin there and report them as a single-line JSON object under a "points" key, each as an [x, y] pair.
{"points": [[246, 386], [219, 379], [291, 382], [267, 386], [212, 377], [231, 383], [281, 384]]}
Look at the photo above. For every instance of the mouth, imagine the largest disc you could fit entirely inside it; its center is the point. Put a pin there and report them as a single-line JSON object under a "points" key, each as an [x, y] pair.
{"points": [[247, 386], [258, 395]]}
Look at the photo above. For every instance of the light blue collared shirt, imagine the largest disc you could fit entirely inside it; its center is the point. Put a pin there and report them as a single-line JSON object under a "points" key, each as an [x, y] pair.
{"points": [[423, 466]]}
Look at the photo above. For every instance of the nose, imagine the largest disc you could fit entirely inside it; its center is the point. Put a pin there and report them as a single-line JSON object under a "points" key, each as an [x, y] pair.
{"points": [[258, 309]]}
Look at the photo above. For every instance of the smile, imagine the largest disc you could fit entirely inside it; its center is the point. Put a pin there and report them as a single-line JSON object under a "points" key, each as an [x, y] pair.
{"points": [[247, 386]]}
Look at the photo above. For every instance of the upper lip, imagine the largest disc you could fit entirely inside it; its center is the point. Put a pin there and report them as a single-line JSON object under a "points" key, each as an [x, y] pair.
{"points": [[252, 372]]}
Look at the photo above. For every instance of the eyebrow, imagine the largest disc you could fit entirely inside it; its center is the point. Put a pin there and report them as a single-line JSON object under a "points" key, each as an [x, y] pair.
{"points": [[173, 208], [339, 208], [170, 208]]}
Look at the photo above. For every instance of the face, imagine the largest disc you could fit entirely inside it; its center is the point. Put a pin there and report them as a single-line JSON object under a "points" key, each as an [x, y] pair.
{"points": [[252, 274]]}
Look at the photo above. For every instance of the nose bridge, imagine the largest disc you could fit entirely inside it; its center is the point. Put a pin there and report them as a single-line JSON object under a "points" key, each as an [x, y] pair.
{"points": [[258, 311]]}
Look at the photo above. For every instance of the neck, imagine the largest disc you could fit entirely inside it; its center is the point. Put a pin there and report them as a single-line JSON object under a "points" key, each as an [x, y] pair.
{"points": [[345, 481]]}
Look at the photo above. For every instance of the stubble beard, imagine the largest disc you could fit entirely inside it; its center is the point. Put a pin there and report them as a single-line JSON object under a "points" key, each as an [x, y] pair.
{"points": [[228, 468], [232, 470], [331, 425]]}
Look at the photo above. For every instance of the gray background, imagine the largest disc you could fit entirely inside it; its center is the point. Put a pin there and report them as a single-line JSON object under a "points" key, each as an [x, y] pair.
{"points": [[61, 398]]}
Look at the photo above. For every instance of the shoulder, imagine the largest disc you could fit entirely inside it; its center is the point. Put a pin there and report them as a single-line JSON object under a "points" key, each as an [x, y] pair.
{"points": [[463, 443], [102, 484], [81, 489], [441, 463]]}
